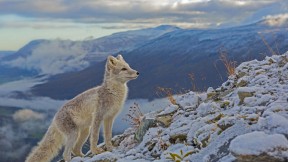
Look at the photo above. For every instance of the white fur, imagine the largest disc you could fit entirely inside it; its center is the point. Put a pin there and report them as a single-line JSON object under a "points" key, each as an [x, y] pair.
{"points": [[83, 115]]}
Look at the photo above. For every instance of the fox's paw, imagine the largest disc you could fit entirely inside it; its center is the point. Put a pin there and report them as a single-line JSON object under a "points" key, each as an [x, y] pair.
{"points": [[78, 153], [96, 150], [109, 147]]}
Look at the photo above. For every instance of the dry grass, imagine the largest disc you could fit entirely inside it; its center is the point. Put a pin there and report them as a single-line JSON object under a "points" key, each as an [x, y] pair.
{"points": [[268, 46], [134, 116], [169, 92], [166, 92], [192, 77], [229, 65], [162, 145]]}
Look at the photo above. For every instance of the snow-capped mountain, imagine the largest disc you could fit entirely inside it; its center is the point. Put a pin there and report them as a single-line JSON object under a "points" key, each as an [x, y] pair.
{"points": [[181, 59], [52, 57], [245, 119], [123, 42], [5, 53]]}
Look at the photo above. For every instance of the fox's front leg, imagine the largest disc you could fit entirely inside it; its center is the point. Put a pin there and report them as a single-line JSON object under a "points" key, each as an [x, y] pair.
{"points": [[95, 136], [108, 123]]}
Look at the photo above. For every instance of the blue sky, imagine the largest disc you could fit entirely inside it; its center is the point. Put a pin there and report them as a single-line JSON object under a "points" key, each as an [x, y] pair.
{"points": [[24, 20]]}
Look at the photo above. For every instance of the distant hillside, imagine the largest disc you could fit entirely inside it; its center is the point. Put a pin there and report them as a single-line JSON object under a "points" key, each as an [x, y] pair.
{"points": [[168, 60]]}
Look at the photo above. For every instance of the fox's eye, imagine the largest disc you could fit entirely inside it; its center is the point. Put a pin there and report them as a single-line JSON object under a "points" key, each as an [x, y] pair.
{"points": [[123, 69]]}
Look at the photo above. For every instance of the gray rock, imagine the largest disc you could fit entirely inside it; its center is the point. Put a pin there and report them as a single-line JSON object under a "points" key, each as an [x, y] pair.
{"points": [[144, 126], [242, 83], [241, 74], [164, 120], [283, 61], [244, 92], [178, 138]]}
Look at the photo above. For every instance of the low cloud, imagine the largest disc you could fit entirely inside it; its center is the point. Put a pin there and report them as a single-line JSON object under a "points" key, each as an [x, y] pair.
{"points": [[24, 115], [23, 85], [9, 95], [40, 24], [38, 103], [276, 20], [17, 139], [13, 147], [53, 57]]}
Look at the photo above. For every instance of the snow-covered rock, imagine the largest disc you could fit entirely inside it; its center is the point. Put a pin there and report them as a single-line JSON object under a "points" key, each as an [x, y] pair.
{"points": [[104, 157], [259, 146]]}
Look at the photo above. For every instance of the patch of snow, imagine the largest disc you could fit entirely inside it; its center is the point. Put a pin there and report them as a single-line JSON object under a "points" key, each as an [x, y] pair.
{"points": [[188, 100], [256, 143], [274, 123], [169, 109]]}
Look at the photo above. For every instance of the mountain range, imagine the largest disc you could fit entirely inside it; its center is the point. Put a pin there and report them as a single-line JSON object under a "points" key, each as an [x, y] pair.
{"points": [[165, 56], [60, 56]]}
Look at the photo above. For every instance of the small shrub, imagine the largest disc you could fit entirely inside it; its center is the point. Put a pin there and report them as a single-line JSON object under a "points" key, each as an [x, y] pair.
{"points": [[192, 77], [166, 92], [267, 45], [229, 65], [178, 158], [134, 116], [162, 145]]}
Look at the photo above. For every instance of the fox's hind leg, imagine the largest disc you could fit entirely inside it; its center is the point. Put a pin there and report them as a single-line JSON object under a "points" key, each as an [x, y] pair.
{"points": [[70, 142], [82, 138]]}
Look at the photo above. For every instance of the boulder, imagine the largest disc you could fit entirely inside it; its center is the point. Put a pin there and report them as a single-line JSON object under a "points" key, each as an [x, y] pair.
{"points": [[145, 124], [244, 92], [259, 146]]}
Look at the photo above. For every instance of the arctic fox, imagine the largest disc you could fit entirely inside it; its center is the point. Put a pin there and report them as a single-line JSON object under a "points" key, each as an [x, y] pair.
{"points": [[83, 114]]}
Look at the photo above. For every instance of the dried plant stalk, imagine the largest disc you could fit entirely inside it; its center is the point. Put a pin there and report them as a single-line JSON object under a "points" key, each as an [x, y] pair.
{"points": [[134, 116]]}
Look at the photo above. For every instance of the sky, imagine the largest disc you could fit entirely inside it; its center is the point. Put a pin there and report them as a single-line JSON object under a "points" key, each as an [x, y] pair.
{"points": [[24, 20]]}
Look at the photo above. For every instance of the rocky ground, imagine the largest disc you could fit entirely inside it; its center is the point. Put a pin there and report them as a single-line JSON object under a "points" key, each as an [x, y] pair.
{"points": [[245, 119]]}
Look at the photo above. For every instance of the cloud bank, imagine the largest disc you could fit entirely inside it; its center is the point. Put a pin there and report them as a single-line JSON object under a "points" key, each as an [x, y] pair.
{"points": [[76, 19], [53, 57], [184, 13]]}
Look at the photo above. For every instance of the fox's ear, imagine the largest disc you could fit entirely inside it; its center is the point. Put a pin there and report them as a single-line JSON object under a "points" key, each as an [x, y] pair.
{"points": [[111, 63], [112, 60], [119, 57]]}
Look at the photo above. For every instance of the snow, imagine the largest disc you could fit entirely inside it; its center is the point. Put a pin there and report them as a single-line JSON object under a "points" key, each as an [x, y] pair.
{"points": [[223, 128], [177, 148], [106, 155], [256, 143], [169, 109], [216, 145], [188, 100], [62, 56], [208, 108], [275, 123], [247, 89]]}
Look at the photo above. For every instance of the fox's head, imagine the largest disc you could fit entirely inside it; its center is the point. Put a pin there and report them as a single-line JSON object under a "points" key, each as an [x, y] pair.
{"points": [[117, 69]]}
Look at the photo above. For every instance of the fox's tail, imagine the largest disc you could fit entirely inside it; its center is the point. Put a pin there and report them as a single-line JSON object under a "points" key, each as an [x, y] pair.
{"points": [[48, 147]]}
